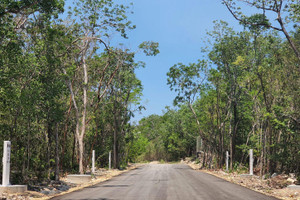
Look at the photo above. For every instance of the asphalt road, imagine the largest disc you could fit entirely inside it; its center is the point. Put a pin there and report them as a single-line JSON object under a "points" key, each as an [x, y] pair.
{"points": [[165, 181]]}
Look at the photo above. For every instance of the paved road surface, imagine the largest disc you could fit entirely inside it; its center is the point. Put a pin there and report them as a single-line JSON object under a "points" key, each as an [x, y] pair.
{"points": [[165, 181]]}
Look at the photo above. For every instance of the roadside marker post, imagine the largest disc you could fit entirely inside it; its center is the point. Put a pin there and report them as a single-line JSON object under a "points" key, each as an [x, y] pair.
{"points": [[6, 163], [109, 160], [251, 161], [199, 144], [6, 187], [227, 160], [93, 162]]}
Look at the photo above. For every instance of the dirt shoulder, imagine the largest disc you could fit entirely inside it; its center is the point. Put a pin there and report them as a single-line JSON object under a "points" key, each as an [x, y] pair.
{"points": [[275, 186], [54, 189]]}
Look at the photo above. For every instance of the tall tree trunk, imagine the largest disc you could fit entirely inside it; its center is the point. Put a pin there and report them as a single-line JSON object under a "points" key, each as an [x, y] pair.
{"points": [[221, 151], [262, 153], [56, 154], [83, 119], [201, 134], [268, 130], [48, 141], [115, 148], [73, 151], [81, 151], [77, 130], [234, 133], [204, 158], [65, 135], [231, 148]]}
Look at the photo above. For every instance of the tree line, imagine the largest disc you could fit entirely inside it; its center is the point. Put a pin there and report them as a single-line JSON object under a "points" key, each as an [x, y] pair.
{"points": [[64, 90], [244, 94]]}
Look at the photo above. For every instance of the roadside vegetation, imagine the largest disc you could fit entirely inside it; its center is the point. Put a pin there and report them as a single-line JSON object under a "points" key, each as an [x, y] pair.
{"points": [[65, 91], [243, 94]]}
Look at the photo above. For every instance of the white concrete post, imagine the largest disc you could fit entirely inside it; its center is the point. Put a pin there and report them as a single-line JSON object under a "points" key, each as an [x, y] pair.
{"points": [[109, 160], [227, 160], [93, 162], [251, 161], [6, 163]]}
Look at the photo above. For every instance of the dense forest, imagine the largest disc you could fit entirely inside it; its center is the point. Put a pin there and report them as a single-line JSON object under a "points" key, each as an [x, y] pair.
{"points": [[65, 91]]}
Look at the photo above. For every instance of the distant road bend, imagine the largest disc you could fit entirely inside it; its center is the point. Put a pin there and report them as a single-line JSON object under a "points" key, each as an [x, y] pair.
{"points": [[165, 181]]}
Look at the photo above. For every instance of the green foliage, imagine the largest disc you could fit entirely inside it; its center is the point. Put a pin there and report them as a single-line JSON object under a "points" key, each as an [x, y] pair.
{"points": [[40, 55], [23, 6], [150, 48], [257, 23], [169, 137], [138, 147], [244, 94], [248, 99], [187, 80]]}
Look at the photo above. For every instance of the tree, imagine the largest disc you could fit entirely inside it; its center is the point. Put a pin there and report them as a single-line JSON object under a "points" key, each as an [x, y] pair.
{"points": [[95, 19], [188, 81], [286, 11], [125, 92], [27, 7], [58, 77]]}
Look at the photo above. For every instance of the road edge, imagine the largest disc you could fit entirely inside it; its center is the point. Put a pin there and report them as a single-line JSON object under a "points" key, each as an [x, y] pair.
{"points": [[101, 179], [230, 181]]}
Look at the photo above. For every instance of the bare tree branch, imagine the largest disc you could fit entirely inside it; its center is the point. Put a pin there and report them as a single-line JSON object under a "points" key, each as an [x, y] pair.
{"points": [[277, 10]]}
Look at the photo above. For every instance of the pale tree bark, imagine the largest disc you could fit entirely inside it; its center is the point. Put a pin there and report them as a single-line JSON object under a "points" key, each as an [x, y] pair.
{"points": [[231, 147], [116, 115], [84, 113], [202, 135], [115, 147], [81, 112], [81, 118], [77, 133]]}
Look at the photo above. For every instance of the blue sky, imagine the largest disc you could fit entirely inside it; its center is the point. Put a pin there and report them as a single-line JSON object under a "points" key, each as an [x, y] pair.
{"points": [[180, 28]]}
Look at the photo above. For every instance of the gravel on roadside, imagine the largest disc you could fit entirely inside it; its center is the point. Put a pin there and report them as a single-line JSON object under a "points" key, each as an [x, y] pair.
{"points": [[275, 186]]}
